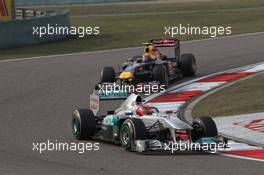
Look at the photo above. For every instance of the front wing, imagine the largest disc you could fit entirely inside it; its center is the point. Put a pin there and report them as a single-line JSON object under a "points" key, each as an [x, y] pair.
{"points": [[206, 144]]}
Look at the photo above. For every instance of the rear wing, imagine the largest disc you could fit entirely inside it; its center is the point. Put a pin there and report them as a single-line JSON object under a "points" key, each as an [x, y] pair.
{"points": [[103, 94], [175, 43], [110, 91], [165, 42]]}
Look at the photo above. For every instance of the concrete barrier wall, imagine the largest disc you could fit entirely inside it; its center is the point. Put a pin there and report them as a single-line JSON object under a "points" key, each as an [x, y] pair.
{"points": [[20, 32], [56, 2]]}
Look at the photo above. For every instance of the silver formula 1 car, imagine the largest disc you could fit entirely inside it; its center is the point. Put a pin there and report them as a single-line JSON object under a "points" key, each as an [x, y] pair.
{"points": [[140, 127]]}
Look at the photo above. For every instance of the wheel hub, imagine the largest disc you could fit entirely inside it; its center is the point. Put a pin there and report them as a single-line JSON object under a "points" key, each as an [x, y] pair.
{"points": [[125, 136]]}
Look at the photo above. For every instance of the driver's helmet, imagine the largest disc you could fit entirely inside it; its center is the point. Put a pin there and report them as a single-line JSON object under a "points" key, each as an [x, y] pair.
{"points": [[151, 53], [149, 50], [148, 53], [144, 110]]}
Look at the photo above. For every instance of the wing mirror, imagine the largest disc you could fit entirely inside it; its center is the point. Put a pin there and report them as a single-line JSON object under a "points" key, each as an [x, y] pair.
{"points": [[110, 112], [139, 60], [128, 113]]}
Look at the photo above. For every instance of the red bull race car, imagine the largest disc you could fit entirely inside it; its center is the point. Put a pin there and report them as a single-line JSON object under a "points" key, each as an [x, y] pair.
{"points": [[153, 66]]}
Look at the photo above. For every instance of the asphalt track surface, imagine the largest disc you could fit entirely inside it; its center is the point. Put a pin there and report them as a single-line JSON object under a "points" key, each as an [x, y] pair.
{"points": [[37, 97]]}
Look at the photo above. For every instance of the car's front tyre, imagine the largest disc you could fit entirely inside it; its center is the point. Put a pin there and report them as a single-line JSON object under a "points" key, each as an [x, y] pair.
{"points": [[188, 65], [107, 75], [131, 130], [160, 74], [203, 127], [83, 124]]}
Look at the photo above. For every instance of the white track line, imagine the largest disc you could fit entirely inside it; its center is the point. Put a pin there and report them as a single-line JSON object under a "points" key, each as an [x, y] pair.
{"points": [[122, 49]]}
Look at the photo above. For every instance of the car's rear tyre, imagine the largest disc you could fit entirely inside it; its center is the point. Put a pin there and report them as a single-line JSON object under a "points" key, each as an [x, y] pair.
{"points": [[108, 75], [160, 74], [83, 124], [203, 127], [132, 129], [188, 65]]}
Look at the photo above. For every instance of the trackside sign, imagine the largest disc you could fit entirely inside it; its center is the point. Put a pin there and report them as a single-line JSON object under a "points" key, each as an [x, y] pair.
{"points": [[6, 10]]}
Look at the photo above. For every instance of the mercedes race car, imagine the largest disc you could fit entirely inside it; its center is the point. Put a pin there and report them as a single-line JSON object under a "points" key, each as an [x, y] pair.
{"points": [[140, 127], [152, 66]]}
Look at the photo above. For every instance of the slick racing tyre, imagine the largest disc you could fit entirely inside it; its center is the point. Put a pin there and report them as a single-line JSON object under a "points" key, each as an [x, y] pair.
{"points": [[160, 74], [188, 65], [83, 124], [203, 127], [108, 75], [131, 130]]}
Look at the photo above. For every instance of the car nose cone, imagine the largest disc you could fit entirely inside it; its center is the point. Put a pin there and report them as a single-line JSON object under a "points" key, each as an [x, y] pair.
{"points": [[126, 75]]}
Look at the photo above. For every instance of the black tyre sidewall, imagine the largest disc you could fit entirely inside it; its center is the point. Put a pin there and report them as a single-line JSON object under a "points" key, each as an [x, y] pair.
{"points": [[126, 124], [186, 64], [107, 75], [137, 131], [86, 124], [208, 127], [160, 74], [76, 126]]}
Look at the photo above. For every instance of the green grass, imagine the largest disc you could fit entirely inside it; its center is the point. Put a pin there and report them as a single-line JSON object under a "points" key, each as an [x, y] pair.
{"points": [[241, 98], [163, 7], [129, 31]]}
